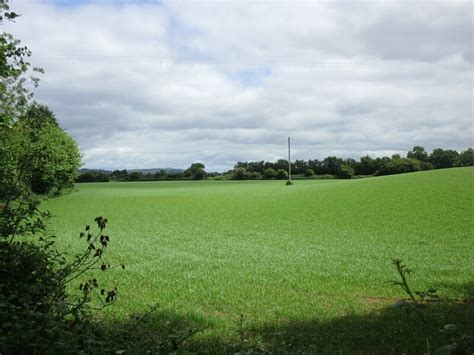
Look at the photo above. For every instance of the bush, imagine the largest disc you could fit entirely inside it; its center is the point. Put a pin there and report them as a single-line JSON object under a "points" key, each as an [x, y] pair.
{"points": [[32, 297], [345, 172], [37, 315], [47, 158], [269, 173], [466, 158], [309, 172], [241, 174], [93, 176], [400, 166], [281, 174]]}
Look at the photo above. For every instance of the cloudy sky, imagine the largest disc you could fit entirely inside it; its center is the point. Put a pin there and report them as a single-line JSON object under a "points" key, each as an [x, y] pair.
{"points": [[144, 84]]}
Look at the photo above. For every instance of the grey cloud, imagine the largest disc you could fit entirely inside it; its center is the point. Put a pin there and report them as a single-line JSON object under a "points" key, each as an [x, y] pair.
{"points": [[426, 31], [143, 85]]}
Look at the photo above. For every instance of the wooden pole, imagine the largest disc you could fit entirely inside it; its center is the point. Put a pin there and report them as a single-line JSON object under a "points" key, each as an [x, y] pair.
{"points": [[289, 161]]}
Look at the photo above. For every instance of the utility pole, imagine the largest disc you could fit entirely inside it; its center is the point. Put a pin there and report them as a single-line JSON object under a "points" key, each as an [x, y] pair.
{"points": [[289, 161]]}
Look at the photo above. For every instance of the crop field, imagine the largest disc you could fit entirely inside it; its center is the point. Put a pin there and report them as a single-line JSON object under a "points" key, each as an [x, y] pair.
{"points": [[282, 268]]}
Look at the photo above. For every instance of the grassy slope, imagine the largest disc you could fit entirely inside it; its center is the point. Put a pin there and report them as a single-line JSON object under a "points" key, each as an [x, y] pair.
{"points": [[315, 251]]}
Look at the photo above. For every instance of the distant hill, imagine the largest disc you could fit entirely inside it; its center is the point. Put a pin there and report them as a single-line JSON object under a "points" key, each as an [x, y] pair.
{"points": [[155, 170], [143, 171]]}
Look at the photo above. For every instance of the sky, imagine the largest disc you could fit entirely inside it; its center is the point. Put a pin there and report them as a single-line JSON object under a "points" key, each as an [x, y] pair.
{"points": [[148, 84]]}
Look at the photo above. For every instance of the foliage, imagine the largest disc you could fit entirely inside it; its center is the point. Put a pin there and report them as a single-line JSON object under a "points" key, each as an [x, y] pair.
{"points": [[37, 314], [466, 158], [281, 174], [309, 172], [14, 69], [417, 159], [345, 172], [448, 338], [418, 153], [93, 176], [441, 158], [134, 176], [270, 173], [48, 158], [241, 174], [196, 171], [35, 154], [400, 166]]}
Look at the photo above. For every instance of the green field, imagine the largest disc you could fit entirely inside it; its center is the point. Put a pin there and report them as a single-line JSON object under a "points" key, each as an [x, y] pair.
{"points": [[306, 265]]}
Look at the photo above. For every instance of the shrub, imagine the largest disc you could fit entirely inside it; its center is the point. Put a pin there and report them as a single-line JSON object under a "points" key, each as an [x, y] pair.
{"points": [[466, 158], [345, 172], [400, 166], [37, 315], [93, 176], [241, 174], [269, 173], [281, 174]]}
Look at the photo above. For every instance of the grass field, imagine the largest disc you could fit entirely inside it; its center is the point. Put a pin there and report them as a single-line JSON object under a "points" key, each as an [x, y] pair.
{"points": [[307, 265]]}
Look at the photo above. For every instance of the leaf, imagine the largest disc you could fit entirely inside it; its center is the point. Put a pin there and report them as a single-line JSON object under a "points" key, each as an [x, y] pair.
{"points": [[450, 327], [446, 349], [401, 304]]}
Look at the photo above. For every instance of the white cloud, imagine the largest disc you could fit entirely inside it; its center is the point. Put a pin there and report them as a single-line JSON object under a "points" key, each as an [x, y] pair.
{"points": [[154, 85]]}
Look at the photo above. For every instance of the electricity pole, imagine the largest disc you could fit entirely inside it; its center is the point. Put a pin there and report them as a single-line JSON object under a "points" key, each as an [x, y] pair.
{"points": [[289, 161]]}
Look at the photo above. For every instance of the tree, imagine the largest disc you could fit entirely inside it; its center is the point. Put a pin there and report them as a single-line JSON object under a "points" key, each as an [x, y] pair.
{"points": [[36, 154], [93, 176], [315, 165], [466, 158], [269, 173], [14, 73], [299, 167], [345, 172], [281, 174], [49, 158], [331, 165], [241, 174], [135, 176], [367, 166], [120, 175], [196, 171], [309, 172], [400, 166], [443, 158], [418, 153]]}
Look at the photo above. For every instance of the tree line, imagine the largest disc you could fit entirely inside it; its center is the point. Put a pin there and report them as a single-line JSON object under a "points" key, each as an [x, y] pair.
{"points": [[330, 167]]}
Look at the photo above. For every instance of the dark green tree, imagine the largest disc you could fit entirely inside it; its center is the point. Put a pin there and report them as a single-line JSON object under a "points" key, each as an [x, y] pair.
{"points": [[345, 172], [196, 171], [331, 165], [134, 176], [400, 166], [241, 174], [48, 157], [269, 173], [281, 174], [366, 166], [309, 172], [466, 158], [443, 158], [418, 153]]}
